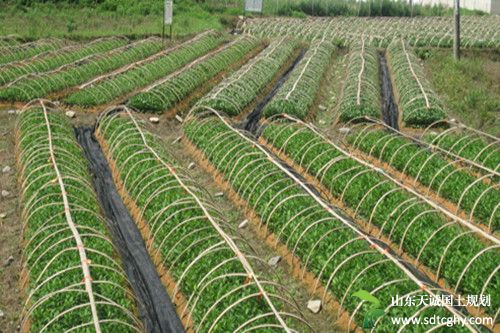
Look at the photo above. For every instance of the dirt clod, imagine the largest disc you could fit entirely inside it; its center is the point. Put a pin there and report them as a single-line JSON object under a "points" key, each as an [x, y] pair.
{"points": [[5, 193], [6, 169], [154, 120]]}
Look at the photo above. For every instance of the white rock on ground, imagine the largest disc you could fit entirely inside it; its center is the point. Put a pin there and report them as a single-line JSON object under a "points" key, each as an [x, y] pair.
{"points": [[154, 120], [274, 261], [314, 305], [344, 130], [191, 165], [6, 169], [243, 224], [179, 118], [70, 114], [5, 193], [219, 194], [322, 107], [1, 314], [3, 215], [11, 112]]}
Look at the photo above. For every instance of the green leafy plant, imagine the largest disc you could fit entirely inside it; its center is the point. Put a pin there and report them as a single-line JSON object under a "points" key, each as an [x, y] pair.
{"points": [[167, 94], [23, 51], [471, 148], [417, 102], [54, 59], [448, 180], [414, 226], [63, 234], [297, 94], [29, 88], [109, 89], [187, 236], [237, 91], [361, 93], [334, 253]]}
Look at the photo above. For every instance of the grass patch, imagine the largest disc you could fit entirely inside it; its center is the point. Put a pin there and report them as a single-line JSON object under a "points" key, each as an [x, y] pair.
{"points": [[108, 19], [470, 87]]}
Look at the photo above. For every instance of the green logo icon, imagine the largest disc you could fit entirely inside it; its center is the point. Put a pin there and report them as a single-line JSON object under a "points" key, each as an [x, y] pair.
{"points": [[374, 311]]}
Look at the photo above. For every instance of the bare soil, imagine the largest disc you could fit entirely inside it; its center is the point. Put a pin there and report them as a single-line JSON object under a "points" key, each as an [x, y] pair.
{"points": [[10, 230]]}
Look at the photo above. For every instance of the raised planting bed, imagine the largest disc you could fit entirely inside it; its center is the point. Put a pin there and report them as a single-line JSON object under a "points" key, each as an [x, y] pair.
{"points": [[54, 59], [297, 94], [327, 250], [71, 277], [418, 103], [479, 149], [210, 279], [238, 90], [361, 92], [392, 212], [23, 51], [141, 74], [166, 93], [30, 87], [449, 180]]}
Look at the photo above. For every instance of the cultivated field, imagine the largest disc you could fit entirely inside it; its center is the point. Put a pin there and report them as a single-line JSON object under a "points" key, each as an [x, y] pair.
{"points": [[296, 175]]}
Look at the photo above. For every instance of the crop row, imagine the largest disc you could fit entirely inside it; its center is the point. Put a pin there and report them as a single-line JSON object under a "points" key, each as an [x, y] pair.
{"points": [[479, 31], [361, 92], [113, 87], [29, 88], [341, 258], [24, 51], [414, 226], [53, 60], [186, 234], [237, 91], [9, 41], [71, 276], [473, 148], [172, 90], [417, 101], [430, 169], [297, 94]]}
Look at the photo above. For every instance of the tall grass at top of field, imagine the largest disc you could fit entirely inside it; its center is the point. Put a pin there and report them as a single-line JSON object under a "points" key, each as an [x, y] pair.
{"points": [[88, 19], [469, 87], [33, 19]]}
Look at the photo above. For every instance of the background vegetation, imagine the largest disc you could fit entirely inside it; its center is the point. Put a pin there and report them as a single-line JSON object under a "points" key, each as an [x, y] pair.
{"points": [[470, 87], [34, 19]]}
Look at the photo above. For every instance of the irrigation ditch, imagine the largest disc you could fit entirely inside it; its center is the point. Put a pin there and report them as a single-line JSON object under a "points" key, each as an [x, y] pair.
{"points": [[389, 106], [156, 308], [251, 122]]}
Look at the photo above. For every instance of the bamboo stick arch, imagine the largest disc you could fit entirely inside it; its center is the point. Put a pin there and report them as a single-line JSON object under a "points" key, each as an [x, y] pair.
{"points": [[73, 241], [400, 213], [478, 208], [206, 236], [198, 120]]}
